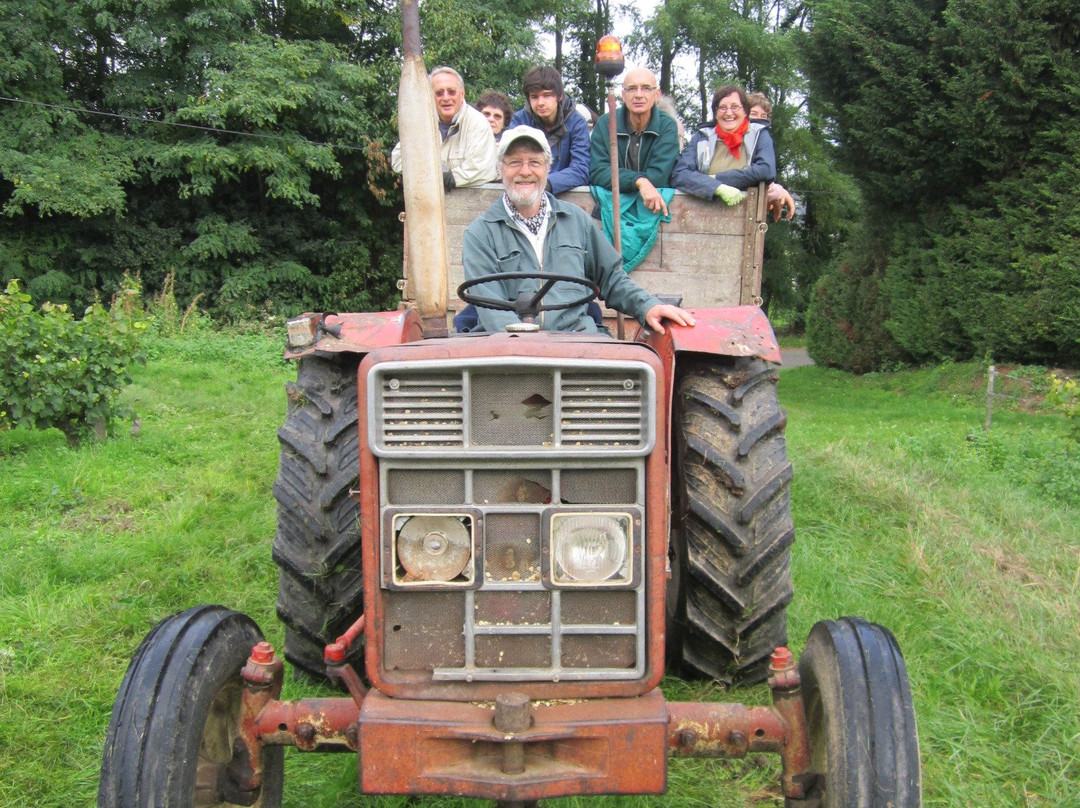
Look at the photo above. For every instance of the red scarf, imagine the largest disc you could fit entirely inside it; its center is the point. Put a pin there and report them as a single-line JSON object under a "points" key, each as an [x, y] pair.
{"points": [[733, 140]]}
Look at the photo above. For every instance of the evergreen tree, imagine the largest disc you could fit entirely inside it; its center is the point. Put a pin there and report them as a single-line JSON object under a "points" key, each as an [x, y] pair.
{"points": [[958, 122]]}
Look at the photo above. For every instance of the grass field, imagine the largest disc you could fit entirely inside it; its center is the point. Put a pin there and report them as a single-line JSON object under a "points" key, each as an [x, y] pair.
{"points": [[964, 543]]}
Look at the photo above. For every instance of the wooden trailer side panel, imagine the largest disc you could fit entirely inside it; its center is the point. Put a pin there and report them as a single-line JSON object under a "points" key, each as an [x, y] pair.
{"points": [[710, 254]]}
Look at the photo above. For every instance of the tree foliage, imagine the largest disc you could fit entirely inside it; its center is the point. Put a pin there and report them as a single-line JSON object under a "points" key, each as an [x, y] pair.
{"points": [[958, 121], [835, 336], [575, 27], [241, 145], [746, 42]]}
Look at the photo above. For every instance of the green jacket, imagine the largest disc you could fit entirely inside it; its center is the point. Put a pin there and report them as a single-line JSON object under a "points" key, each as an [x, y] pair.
{"points": [[573, 245], [659, 151]]}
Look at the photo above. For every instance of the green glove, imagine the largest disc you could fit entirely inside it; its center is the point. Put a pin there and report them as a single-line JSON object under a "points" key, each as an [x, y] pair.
{"points": [[731, 196]]}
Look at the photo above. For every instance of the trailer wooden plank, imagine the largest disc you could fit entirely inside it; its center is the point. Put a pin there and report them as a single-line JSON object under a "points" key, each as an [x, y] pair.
{"points": [[710, 254]]}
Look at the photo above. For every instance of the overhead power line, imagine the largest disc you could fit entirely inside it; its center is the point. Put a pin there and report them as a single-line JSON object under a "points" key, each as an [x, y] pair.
{"points": [[211, 129]]}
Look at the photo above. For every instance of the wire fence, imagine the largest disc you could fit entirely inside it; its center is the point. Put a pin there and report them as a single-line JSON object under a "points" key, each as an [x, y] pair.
{"points": [[1022, 392]]}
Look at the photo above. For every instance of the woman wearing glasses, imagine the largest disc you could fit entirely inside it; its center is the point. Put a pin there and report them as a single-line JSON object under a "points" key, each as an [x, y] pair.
{"points": [[728, 152]]}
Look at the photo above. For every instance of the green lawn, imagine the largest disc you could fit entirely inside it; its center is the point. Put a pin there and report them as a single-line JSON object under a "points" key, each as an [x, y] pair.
{"points": [[907, 513]]}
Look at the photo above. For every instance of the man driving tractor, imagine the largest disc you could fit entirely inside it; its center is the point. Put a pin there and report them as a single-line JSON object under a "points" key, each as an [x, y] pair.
{"points": [[529, 230]]}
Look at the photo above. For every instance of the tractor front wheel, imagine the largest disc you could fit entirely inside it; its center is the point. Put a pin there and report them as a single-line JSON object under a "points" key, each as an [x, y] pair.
{"points": [[864, 745], [172, 738]]}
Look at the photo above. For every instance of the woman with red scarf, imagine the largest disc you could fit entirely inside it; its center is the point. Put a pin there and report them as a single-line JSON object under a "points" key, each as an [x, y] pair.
{"points": [[728, 152]]}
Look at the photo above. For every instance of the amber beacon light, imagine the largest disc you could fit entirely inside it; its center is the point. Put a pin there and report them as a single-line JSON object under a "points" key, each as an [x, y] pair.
{"points": [[609, 57]]}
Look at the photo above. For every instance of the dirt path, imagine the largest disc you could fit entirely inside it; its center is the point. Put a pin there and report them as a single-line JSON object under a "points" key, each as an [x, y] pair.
{"points": [[795, 358]]}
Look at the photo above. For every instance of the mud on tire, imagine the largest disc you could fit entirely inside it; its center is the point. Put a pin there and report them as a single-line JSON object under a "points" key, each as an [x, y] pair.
{"points": [[317, 544], [860, 719], [731, 521]]}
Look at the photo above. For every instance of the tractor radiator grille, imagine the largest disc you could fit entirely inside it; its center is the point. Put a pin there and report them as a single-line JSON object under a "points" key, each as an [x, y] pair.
{"points": [[520, 403], [503, 450], [423, 411]]}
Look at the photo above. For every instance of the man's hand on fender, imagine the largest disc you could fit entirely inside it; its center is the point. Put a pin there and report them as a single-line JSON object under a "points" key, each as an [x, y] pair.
{"points": [[654, 317]]}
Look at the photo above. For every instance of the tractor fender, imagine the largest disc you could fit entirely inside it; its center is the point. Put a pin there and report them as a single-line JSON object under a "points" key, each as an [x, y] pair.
{"points": [[731, 331], [356, 333]]}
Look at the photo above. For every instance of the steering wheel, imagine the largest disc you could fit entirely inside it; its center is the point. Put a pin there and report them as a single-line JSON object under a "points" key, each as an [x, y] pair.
{"points": [[528, 304]]}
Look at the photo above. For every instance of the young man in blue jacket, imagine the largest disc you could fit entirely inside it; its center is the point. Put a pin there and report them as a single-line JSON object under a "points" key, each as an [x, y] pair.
{"points": [[554, 113]]}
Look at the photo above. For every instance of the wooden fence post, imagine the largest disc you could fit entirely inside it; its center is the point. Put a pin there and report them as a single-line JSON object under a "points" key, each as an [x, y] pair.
{"points": [[989, 396]]}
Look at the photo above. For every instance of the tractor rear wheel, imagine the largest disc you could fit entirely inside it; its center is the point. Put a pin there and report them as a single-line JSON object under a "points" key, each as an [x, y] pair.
{"points": [[864, 745], [317, 544], [172, 741], [731, 521]]}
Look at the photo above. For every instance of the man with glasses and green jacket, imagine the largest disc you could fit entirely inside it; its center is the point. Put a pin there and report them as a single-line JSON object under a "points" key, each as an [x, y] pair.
{"points": [[528, 230], [648, 142]]}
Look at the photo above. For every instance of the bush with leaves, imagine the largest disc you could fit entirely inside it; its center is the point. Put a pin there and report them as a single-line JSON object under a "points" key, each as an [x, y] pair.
{"points": [[844, 322], [56, 371], [1064, 397]]}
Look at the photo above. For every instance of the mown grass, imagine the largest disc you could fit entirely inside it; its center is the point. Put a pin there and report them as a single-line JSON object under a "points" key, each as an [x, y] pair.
{"points": [[963, 543]]}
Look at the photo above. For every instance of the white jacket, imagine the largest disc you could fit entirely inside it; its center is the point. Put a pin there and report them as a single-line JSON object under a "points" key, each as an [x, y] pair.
{"points": [[469, 151]]}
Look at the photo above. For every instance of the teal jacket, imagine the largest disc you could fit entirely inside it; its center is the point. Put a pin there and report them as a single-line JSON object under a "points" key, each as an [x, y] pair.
{"points": [[659, 151], [638, 225], [573, 245]]}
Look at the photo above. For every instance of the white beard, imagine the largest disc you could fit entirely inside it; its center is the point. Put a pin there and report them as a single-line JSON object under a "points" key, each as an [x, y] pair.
{"points": [[524, 199]]}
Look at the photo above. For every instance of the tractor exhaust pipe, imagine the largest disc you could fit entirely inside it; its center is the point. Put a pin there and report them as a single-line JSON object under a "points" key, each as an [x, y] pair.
{"points": [[421, 176]]}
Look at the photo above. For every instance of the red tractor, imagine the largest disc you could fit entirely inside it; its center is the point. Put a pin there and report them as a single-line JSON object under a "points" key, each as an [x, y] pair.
{"points": [[496, 545]]}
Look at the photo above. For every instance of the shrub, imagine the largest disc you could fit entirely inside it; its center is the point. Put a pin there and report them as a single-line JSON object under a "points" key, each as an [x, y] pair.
{"points": [[1064, 397], [845, 320], [57, 371]]}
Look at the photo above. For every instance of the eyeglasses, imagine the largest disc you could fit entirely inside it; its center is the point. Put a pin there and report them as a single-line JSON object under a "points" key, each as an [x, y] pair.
{"points": [[733, 110], [534, 165], [452, 91], [634, 89]]}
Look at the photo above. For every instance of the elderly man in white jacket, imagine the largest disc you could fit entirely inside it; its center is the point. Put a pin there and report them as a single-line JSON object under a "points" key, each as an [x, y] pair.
{"points": [[468, 146]]}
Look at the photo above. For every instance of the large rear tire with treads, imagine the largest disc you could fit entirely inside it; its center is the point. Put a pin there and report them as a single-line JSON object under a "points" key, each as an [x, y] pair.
{"points": [[731, 521], [317, 544]]}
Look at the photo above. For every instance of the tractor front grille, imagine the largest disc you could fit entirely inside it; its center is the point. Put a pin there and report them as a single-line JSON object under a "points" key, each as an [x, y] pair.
{"points": [[423, 411], [574, 406], [506, 448]]}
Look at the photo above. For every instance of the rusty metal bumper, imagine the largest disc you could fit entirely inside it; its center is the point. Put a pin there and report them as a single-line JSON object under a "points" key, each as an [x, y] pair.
{"points": [[518, 750], [602, 746]]}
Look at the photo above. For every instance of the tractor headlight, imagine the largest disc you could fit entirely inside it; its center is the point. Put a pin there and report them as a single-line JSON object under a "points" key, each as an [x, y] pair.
{"points": [[433, 548], [591, 548]]}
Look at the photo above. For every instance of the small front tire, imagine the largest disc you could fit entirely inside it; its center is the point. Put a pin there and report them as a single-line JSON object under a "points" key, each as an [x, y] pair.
{"points": [[864, 745], [172, 741]]}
